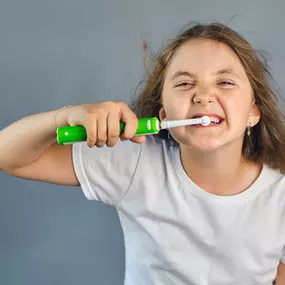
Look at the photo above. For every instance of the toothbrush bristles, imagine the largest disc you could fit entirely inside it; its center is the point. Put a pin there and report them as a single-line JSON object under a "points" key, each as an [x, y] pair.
{"points": [[205, 121]]}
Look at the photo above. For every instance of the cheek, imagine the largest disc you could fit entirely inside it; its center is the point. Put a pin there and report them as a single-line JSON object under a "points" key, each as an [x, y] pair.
{"points": [[237, 109], [176, 106]]}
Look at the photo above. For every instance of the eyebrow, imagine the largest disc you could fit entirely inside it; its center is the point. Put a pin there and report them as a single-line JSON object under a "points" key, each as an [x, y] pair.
{"points": [[192, 75], [227, 71], [182, 73]]}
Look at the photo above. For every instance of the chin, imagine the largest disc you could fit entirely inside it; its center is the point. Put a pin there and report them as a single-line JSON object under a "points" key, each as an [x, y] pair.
{"points": [[203, 144], [206, 147]]}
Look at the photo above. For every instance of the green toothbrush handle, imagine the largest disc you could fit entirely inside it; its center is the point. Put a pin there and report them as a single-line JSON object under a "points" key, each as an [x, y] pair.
{"points": [[72, 134]]}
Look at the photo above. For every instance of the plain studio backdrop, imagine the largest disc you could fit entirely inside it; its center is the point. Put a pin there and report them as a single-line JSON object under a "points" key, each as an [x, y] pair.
{"points": [[59, 52]]}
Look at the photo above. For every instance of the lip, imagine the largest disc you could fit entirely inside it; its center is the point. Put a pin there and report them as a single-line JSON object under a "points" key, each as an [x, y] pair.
{"points": [[207, 114], [212, 125]]}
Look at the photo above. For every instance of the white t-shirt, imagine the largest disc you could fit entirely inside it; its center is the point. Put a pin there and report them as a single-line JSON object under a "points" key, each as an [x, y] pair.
{"points": [[175, 232]]}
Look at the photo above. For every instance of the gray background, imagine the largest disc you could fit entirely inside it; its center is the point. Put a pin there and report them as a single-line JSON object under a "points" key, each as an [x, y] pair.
{"points": [[59, 52]]}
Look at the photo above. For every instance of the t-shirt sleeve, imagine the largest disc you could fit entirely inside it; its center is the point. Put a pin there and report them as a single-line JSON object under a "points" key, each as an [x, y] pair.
{"points": [[282, 260], [106, 173]]}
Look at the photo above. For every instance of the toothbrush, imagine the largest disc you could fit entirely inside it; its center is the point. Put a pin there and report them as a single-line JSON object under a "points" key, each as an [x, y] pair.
{"points": [[146, 126]]}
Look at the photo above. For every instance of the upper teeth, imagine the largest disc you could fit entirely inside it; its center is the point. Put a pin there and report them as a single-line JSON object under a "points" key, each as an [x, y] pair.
{"points": [[215, 119]]}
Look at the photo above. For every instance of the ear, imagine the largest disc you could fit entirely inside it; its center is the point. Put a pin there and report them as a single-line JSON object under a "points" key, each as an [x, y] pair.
{"points": [[254, 116], [162, 114]]}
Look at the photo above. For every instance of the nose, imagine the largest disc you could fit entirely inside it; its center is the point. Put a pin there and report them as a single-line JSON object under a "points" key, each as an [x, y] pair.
{"points": [[204, 97]]}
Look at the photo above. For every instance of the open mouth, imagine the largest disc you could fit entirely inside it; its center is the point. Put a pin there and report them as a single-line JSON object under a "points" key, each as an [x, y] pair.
{"points": [[215, 120]]}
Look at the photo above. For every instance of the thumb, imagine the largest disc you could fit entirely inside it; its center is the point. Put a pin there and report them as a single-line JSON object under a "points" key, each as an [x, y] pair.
{"points": [[138, 139]]}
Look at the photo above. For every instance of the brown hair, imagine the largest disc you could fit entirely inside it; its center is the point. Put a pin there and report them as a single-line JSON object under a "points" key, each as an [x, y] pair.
{"points": [[266, 143]]}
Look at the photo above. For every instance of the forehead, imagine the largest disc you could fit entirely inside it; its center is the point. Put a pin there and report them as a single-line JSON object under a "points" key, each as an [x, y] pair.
{"points": [[202, 56]]}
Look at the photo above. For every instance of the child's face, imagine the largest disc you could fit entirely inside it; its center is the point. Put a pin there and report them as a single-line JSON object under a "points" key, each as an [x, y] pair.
{"points": [[206, 77]]}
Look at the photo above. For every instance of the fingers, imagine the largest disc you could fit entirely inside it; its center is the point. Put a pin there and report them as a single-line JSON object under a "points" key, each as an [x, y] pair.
{"points": [[131, 121], [90, 124], [113, 129], [102, 124], [96, 128], [139, 139], [102, 135]]}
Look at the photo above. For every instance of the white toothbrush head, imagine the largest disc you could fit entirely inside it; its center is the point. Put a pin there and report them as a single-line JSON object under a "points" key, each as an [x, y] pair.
{"points": [[205, 121]]}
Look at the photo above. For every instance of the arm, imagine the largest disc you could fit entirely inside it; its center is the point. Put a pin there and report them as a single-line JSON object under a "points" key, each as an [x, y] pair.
{"points": [[280, 278], [28, 149]]}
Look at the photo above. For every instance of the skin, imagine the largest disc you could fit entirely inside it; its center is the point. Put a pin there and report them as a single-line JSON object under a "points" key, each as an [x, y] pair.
{"points": [[280, 279]]}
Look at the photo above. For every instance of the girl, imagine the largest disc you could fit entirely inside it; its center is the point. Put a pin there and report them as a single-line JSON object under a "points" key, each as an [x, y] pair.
{"points": [[202, 205]]}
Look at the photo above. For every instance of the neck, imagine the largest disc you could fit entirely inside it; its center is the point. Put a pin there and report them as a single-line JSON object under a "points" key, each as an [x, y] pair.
{"points": [[222, 172]]}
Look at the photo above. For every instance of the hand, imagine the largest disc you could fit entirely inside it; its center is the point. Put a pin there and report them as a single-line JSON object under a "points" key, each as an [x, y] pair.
{"points": [[102, 122]]}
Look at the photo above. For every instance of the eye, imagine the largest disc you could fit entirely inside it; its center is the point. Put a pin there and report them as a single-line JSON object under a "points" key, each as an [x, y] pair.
{"points": [[225, 83], [185, 84]]}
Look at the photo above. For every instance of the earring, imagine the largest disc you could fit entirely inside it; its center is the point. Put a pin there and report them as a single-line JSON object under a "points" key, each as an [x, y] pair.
{"points": [[168, 135], [248, 129]]}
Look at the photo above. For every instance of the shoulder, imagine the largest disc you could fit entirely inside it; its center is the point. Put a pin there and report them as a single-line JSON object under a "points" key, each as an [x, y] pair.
{"points": [[274, 181], [158, 147]]}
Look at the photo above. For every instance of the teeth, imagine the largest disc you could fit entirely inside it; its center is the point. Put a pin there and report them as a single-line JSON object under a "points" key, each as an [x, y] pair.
{"points": [[215, 120]]}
